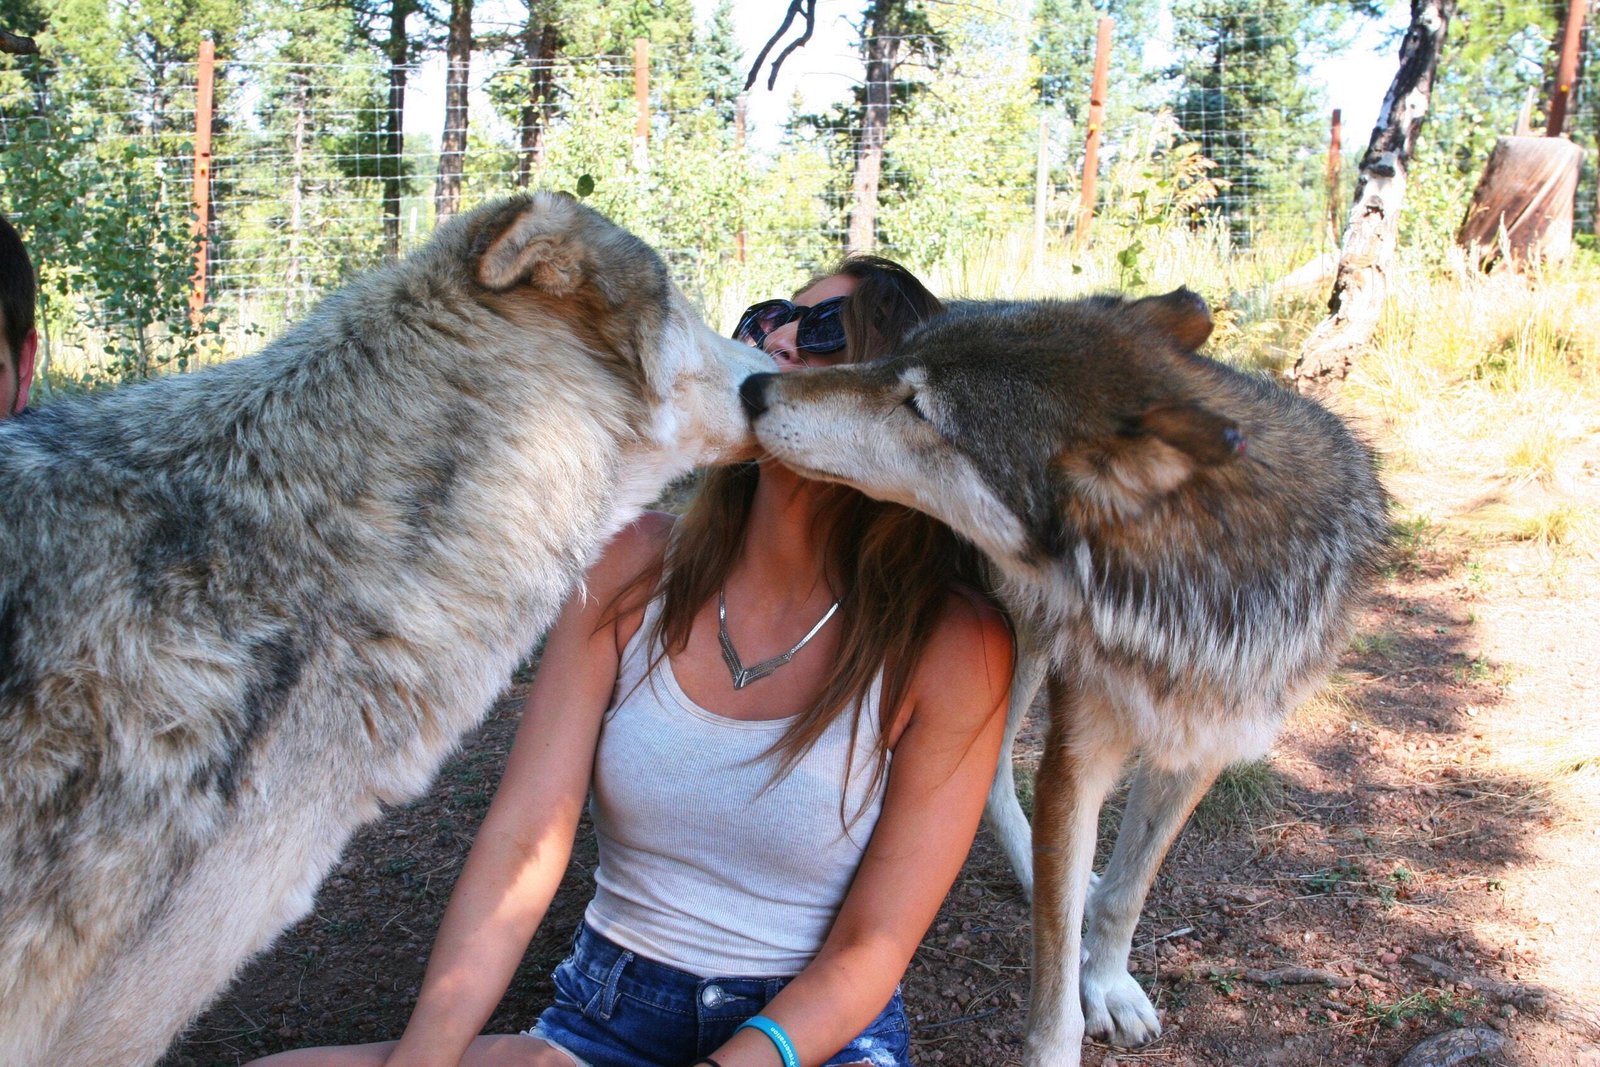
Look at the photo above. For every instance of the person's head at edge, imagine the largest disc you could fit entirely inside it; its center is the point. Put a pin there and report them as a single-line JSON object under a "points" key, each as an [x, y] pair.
{"points": [[19, 341]]}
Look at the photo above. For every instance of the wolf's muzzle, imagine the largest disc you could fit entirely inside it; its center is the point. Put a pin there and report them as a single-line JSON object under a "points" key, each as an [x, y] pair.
{"points": [[753, 391]]}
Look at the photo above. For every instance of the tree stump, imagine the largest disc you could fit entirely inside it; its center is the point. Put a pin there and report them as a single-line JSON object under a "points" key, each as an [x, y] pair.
{"points": [[1522, 208]]}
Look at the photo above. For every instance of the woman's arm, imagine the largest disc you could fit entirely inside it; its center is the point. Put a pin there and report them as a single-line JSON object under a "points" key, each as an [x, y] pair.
{"points": [[943, 763], [521, 850]]}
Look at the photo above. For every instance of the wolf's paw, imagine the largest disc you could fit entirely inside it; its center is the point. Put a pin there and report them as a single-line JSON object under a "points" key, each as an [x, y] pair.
{"points": [[1115, 1009]]}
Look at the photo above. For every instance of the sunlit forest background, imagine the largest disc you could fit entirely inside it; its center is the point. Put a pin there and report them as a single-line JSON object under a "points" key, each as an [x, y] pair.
{"points": [[960, 149]]}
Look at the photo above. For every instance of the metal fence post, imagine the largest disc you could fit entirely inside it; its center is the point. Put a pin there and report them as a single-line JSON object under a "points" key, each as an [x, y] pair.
{"points": [[1335, 164], [641, 103], [1041, 180], [202, 174], [1567, 71], [1097, 115]]}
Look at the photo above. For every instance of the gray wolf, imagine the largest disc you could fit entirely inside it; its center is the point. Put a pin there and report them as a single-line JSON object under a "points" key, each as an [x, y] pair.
{"points": [[241, 609], [1183, 547]]}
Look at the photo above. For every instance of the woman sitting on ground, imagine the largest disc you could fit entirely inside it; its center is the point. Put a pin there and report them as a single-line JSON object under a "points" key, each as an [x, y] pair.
{"points": [[776, 834]]}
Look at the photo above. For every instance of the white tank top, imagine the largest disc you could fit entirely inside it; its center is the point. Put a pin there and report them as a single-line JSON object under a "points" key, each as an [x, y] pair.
{"points": [[702, 866]]}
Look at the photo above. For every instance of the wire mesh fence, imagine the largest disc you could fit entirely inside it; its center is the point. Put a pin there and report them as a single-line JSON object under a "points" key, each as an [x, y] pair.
{"points": [[321, 170]]}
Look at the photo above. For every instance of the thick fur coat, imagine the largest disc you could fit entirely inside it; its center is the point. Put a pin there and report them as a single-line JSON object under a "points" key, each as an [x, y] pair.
{"points": [[241, 609], [1183, 547]]}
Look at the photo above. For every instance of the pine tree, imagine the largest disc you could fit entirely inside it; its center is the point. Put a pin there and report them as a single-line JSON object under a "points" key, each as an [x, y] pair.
{"points": [[385, 25], [719, 61], [891, 31], [1243, 96], [1063, 44], [453, 139]]}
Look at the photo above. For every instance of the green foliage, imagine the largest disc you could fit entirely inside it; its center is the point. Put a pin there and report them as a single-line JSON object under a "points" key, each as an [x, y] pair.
{"points": [[138, 258], [1422, 1005], [609, 27], [112, 252], [719, 61], [1245, 98], [1158, 181], [307, 222], [139, 48], [1214, 181], [959, 165]]}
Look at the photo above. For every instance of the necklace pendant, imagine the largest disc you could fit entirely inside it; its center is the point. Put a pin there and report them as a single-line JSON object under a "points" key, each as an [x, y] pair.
{"points": [[742, 675]]}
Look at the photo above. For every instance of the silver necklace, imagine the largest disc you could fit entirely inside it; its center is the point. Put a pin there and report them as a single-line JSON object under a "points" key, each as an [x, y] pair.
{"points": [[742, 675]]}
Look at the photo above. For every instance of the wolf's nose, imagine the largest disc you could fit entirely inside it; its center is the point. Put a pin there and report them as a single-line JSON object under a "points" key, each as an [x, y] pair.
{"points": [[753, 391]]}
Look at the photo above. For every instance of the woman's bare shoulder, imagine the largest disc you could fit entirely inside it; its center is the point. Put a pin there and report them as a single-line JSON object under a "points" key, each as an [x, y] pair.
{"points": [[636, 548], [967, 665]]}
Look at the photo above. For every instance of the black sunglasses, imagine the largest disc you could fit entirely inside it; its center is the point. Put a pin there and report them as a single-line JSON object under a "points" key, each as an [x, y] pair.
{"points": [[821, 327]]}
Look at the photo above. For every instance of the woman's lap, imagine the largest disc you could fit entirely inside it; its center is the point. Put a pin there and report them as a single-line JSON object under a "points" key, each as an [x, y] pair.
{"points": [[615, 1009]]}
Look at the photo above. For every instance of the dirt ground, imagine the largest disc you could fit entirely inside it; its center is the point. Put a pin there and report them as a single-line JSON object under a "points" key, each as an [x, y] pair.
{"points": [[1421, 854]]}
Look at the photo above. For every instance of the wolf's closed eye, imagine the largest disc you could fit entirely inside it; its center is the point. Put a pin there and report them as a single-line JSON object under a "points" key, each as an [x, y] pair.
{"points": [[911, 405]]}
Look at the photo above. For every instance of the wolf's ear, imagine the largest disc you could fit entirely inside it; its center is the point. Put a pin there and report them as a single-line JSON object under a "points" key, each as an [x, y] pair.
{"points": [[1181, 314], [1157, 451], [538, 245], [1204, 436]]}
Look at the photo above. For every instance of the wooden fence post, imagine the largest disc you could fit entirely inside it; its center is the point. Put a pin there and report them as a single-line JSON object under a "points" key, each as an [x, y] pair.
{"points": [[1097, 115], [1041, 194], [1567, 70], [739, 119], [641, 103], [1335, 164], [202, 175]]}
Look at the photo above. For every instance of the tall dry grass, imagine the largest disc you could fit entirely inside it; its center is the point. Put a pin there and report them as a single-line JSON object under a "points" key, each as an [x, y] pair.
{"points": [[1495, 377]]}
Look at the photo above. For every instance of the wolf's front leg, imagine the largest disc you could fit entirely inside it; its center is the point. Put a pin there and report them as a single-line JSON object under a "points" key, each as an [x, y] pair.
{"points": [[1115, 1008], [1074, 777]]}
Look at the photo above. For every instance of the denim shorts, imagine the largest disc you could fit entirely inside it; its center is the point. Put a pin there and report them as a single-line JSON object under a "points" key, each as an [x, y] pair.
{"points": [[617, 1009]]}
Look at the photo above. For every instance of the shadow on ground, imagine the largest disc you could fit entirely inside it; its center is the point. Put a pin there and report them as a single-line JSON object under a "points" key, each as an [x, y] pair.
{"points": [[1370, 854]]}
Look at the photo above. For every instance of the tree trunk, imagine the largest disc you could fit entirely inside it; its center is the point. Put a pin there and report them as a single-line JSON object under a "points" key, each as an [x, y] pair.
{"points": [[394, 138], [539, 51], [453, 143], [862, 225], [1367, 251], [292, 277]]}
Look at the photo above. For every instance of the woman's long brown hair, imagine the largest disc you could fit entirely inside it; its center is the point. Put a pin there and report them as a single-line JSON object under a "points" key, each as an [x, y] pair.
{"points": [[896, 567]]}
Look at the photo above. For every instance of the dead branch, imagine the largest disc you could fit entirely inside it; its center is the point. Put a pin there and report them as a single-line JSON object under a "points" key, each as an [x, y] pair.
{"points": [[1367, 252], [1276, 977], [1522, 996], [1453, 1047], [1296, 976], [806, 9]]}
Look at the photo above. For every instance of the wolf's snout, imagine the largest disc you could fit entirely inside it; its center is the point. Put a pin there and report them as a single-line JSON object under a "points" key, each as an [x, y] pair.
{"points": [[753, 391]]}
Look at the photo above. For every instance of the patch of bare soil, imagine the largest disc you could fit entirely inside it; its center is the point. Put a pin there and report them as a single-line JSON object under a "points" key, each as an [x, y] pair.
{"points": [[1421, 854]]}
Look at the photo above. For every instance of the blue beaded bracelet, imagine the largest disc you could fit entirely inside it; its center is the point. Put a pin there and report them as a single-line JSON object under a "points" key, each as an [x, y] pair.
{"points": [[775, 1034]]}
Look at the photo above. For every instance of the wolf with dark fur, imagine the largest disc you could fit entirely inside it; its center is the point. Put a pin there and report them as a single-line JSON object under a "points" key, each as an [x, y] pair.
{"points": [[241, 609], [1183, 546]]}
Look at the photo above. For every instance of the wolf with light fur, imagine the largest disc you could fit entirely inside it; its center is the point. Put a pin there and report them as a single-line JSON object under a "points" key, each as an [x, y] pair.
{"points": [[1182, 545], [243, 608]]}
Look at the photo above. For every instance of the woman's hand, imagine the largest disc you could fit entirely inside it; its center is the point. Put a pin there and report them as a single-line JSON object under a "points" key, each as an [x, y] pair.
{"points": [[522, 849]]}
